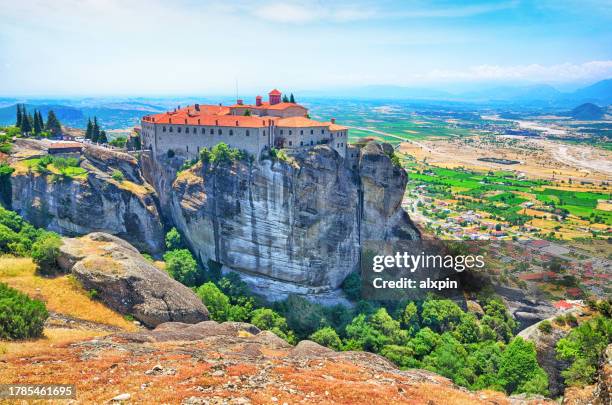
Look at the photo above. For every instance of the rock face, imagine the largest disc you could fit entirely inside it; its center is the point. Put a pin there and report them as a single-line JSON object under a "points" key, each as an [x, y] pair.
{"points": [[77, 206], [127, 282], [291, 227]]}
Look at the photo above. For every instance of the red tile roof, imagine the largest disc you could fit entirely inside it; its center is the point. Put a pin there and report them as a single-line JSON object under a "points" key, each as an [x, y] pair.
{"points": [[299, 122], [62, 145], [274, 92]]}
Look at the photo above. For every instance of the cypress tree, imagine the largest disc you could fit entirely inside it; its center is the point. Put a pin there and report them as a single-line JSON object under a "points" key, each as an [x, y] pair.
{"points": [[102, 138], [37, 124], [53, 124], [89, 131], [95, 133], [292, 99], [26, 122], [285, 99], [19, 116]]}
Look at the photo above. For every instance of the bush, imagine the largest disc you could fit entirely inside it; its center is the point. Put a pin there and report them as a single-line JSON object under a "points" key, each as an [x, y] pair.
{"points": [[181, 265], [117, 176], [327, 337], [519, 371], [545, 327], [119, 142], [20, 316], [45, 251]]}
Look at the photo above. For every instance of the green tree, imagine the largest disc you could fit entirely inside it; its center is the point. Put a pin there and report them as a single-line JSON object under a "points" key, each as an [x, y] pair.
{"points": [[102, 138], [95, 131], [468, 330], [424, 342], [519, 371], [285, 99], [498, 319], [45, 252], [583, 348], [26, 123], [19, 116], [218, 304], [327, 337], [410, 318], [403, 356], [173, 239], [181, 265], [352, 286], [441, 315], [89, 130], [292, 99], [304, 317], [450, 359], [267, 319], [53, 124], [38, 125]]}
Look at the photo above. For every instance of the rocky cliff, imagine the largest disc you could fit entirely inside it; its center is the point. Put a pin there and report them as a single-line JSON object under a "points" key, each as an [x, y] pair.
{"points": [[292, 226], [95, 202]]}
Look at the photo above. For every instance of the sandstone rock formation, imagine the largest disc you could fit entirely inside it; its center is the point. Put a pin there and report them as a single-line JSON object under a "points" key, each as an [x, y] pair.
{"points": [[291, 227], [127, 282], [229, 363], [77, 206]]}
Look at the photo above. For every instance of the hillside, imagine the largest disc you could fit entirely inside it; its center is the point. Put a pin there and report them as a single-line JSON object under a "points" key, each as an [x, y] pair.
{"points": [[588, 112]]}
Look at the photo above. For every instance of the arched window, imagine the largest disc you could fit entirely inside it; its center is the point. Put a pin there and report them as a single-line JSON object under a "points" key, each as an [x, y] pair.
{"points": [[186, 130], [301, 132], [220, 132], [231, 132], [163, 129], [212, 131], [311, 131], [170, 128], [203, 132], [178, 129], [248, 133]]}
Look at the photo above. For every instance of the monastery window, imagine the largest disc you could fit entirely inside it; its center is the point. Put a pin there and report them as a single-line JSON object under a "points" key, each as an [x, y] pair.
{"points": [[290, 132], [186, 130], [178, 129], [290, 143], [212, 131], [264, 132], [198, 150], [163, 129], [220, 132], [301, 132], [203, 131], [312, 142], [187, 147], [231, 132], [170, 129], [281, 132], [311, 131], [247, 133], [322, 131], [301, 143]]}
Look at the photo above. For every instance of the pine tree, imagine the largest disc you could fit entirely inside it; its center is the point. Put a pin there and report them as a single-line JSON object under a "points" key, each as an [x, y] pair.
{"points": [[89, 131], [53, 124], [292, 99], [102, 138], [285, 99], [37, 124], [95, 132], [19, 116]]}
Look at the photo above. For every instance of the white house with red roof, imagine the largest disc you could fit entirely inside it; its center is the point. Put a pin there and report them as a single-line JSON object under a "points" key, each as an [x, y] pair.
{"points": [[250, 127]]}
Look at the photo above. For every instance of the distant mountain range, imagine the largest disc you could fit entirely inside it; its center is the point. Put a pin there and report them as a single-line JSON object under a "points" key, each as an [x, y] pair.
{"points": [[600, 93]]}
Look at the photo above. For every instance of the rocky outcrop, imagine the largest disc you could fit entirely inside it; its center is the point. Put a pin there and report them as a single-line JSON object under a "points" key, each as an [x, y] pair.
{"points": [[233, 363], [295, 226], [79, 205], [126, 282], [545, 344]]}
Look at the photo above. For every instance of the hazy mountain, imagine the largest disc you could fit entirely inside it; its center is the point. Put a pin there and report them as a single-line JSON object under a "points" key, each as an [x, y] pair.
{"points": [[514, 93], [588, 112], [600, 91], [63, 113]]}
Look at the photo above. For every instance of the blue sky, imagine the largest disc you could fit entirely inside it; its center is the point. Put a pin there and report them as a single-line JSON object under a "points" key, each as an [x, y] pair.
{"points": [[144, 47]]}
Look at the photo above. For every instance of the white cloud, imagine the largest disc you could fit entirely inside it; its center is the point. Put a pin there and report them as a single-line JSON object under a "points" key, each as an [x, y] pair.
{"points": [[565, 72]]}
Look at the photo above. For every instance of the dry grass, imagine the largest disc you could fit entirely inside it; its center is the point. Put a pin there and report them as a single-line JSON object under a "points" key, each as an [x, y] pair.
{"points": [[52, 337], [61, 294]]}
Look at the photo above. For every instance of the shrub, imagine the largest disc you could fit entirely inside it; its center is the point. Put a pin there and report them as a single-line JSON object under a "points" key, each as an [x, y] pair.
{"points": [[519, 371], [119, 142], [181, 265], [327, 337], [117, 176], [545, 327], [20, 316], [45, 251]]}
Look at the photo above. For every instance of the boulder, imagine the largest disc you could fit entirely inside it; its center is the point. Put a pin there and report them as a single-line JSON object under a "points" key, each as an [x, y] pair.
{"points": [[125, 281]]}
